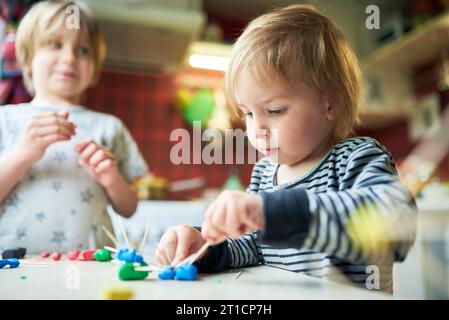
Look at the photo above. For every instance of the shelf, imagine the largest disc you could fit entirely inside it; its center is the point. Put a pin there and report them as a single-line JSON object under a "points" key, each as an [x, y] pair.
{"points": [[201, 78], [416, 47], [380, 119]]}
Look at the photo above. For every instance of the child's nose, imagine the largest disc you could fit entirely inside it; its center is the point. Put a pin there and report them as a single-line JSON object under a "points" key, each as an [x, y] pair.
{"points": [[68, 55], [263, 132], [259, 124]]}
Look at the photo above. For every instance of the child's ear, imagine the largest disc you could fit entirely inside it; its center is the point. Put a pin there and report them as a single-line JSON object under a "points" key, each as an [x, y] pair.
{"points": [[331, 113], [331, 109]]}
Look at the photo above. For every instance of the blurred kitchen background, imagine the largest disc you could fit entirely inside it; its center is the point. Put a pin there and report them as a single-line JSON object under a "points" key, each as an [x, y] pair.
{"points": [[164, 70]]}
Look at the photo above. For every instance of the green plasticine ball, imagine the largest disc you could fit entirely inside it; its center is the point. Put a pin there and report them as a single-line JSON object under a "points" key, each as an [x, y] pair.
{"points": [[102, 255], [200, 108], [127, 271]]}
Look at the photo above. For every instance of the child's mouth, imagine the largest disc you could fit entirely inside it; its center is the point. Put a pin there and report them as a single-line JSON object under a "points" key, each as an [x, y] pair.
{"points": [[269, 152], [67, 74]]}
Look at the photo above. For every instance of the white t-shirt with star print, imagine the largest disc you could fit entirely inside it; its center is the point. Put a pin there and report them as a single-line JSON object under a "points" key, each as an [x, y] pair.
{"points": [[56, 206]]}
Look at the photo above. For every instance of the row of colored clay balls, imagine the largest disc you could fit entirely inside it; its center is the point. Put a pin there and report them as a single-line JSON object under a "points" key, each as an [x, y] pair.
{"points": [[185, 272], [85, 255], [131, 260]]}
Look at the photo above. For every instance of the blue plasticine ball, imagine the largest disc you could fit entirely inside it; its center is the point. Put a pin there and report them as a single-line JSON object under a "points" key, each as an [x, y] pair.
{"points": [[186, 272], [12, 263], [167, 274], [129, 255]]}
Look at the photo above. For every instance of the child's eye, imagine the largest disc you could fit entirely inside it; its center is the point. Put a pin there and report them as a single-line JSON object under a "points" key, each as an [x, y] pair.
{"points": [[276, 112], [248, 114], [82, 51], [55, 44]]}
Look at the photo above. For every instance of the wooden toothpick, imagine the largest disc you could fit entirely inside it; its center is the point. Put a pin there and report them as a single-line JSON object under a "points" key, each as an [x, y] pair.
{"points": [[122, 229], [145, 235], [192, 258], [110, 249], [238, 276], [110, 235], [200, 252], [148, 268]]}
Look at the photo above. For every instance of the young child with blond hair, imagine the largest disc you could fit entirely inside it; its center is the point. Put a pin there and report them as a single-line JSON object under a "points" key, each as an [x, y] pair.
{"points": [[62, 163], [321, 202]]}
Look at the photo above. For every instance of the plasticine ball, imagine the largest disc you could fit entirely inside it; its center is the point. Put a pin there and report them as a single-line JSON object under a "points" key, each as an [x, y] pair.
{"points": [[117, 293], [87, 255], [167, 274], [73, 254], [183, 98], [127, 271], [129, 255], [56, 256], [369, 230], [186, 272], [102, 255], [200, 107]]}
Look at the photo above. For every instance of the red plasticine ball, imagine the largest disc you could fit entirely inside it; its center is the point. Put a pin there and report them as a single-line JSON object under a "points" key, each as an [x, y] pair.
{"points": [[45, 254], [73, 254], [87, 255], [56, 256]]}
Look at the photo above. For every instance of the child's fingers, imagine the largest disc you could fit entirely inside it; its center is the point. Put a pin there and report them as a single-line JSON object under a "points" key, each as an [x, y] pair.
{"points": [[80, 146], [252, 220], [213, 211], [101, 159], [161, 257], [214, 216], [166, 247], [63, 113], [182, 250], [98, 156], [169, 242], [206, 234], [88, 151], [38, 132], [249, 223], [210, 210], [104, 165], [218, 217], [215, 220], [211, 234], [52, 138], [232, 222], [44, 123]]}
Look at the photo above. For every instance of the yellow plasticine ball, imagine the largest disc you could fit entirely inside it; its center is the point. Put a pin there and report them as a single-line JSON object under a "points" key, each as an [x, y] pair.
{"points": [[368, 229], [183, 98], [117, 293]]}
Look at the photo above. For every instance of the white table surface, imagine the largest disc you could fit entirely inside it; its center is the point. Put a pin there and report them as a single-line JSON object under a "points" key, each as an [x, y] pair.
{"points": [[87, 279]]}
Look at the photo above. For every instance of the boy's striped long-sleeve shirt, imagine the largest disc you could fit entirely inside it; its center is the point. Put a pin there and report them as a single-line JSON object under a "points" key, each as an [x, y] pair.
{"points": [[325, 223]]}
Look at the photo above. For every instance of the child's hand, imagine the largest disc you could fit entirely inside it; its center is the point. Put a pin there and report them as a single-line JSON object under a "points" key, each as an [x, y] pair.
{"points": [[98, 161], [233, 213], [177, 243], [44, 130]]}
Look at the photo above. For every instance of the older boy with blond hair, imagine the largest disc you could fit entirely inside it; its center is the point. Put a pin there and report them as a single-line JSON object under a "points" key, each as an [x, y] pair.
{"points": [[62, 163]]}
